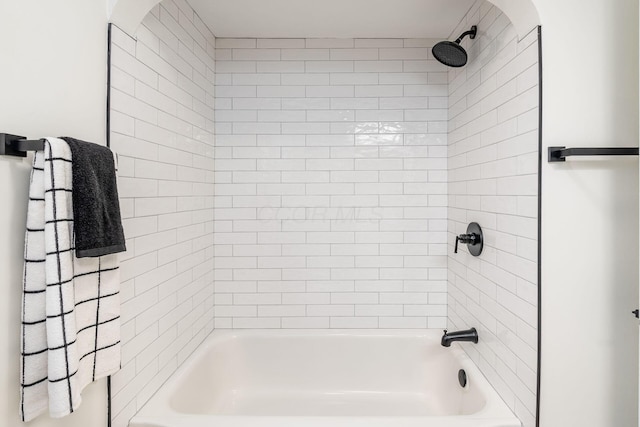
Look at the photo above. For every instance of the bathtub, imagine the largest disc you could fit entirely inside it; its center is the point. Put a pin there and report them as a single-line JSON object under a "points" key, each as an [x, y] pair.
{"points": [[320, 378]]}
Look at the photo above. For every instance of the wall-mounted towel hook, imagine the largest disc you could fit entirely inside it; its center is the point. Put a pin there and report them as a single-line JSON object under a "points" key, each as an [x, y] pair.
{"points": [[17, 146]]}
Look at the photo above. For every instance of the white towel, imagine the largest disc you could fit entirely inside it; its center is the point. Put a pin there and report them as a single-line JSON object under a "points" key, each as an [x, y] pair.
{"points": [[71, 308], [33, 366]]}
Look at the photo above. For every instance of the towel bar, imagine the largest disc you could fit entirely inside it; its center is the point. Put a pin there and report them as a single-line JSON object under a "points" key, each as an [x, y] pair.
{"points": [[16, 145], [559, 154]]}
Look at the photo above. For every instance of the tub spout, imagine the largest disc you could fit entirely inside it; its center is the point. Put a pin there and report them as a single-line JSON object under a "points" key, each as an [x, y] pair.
{"points": [[470, 335]]}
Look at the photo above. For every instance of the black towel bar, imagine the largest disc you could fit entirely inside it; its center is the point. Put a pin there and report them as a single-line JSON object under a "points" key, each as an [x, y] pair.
{"points": [[559, 154], [16, 145]]}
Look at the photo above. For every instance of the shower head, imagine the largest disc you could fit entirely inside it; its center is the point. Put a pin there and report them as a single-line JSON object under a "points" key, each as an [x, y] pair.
{"points": [[451, 53]]}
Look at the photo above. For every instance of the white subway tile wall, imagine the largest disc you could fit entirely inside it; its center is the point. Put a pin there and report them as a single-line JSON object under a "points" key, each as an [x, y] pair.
{"points": [[493, 164], [330, 184], [162, 127], [340, 173]]}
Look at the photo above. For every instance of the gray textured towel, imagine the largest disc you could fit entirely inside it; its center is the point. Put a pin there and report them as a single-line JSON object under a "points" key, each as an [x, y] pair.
{"points": [[96, 208]]}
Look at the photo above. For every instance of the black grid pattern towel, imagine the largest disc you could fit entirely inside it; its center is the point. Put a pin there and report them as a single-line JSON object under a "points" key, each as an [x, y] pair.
{"points": [[96, 208], [71, 308]]}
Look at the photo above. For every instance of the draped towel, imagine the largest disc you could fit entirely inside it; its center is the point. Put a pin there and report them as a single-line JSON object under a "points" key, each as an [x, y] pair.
{"points": [[96, 208], [71, 307]]}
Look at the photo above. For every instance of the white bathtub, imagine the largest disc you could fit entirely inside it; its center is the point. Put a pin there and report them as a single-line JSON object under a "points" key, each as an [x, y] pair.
{"points": [[323, 378]]}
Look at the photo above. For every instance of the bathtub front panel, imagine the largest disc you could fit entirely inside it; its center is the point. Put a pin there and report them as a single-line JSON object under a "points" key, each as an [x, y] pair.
{"points": [[325, 377]]}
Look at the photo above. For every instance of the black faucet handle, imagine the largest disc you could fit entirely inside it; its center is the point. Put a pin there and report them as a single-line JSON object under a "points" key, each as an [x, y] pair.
{"points": [[472, 238], [467, 239]]}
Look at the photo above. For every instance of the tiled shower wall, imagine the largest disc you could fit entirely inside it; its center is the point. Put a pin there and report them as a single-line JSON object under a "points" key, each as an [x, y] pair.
{"points": [[493, 165], [331, 191], [331, 184], [162, 101]]}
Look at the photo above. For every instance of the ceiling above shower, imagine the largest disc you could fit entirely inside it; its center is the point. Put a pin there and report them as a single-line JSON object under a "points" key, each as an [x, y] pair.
{"points": [[332, 18]]}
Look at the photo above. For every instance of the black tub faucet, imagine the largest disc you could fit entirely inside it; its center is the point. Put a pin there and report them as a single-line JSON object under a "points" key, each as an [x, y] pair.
{"points": [[470, 335]]}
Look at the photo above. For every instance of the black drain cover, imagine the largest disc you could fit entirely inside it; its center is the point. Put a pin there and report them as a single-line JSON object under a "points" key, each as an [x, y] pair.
{"points": [[462, 378]]}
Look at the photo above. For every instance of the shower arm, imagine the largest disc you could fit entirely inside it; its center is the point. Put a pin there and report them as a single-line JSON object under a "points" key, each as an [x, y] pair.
{"points": [[471, 33]]}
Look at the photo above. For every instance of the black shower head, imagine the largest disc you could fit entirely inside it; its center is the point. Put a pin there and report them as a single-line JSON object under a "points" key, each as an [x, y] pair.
{"points": [[451, 53]]}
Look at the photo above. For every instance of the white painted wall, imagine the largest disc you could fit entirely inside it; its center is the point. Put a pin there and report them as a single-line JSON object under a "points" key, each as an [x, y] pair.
{"points": [[128, 14], [53, 82], [522, 14], [590, 215]]}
